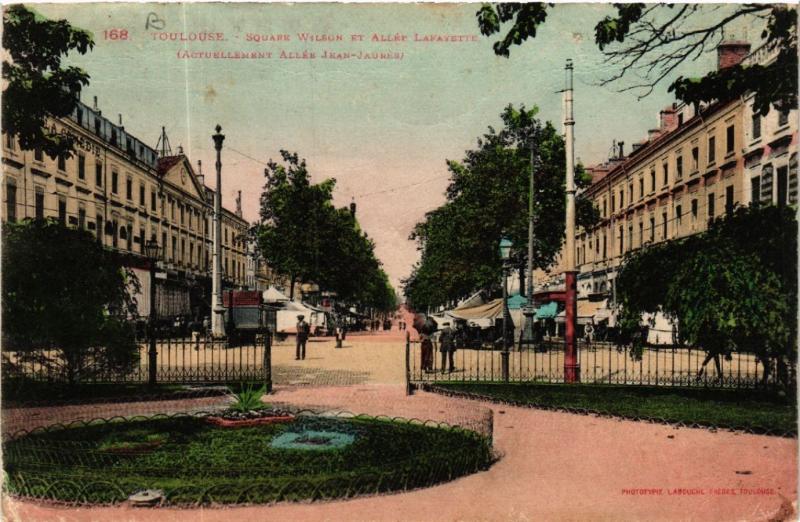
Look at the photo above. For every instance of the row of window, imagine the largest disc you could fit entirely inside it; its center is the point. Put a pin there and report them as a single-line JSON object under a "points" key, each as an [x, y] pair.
{"points": [[661, 227], [756, 120], [184, 212], [117, 233], [617, 198]]}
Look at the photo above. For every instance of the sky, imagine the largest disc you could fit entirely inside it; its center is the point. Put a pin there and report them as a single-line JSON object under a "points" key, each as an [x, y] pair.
{"points": [[383, 128]]}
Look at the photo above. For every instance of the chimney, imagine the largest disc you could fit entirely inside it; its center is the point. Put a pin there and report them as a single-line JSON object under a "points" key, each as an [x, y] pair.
{"points": [[200, 177], [652, 134], [731, 52], [636, 146], [95, 103], [239, 203], [120, 119], [668, 119], [621, 146]]}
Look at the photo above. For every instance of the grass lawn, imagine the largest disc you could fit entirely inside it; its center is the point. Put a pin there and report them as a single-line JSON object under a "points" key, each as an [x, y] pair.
{"points": [[195, 462], [741, 409]]}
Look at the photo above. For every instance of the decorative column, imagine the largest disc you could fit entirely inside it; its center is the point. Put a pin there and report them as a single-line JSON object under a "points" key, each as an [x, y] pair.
{"points": [[572, 369], [217, 310]]}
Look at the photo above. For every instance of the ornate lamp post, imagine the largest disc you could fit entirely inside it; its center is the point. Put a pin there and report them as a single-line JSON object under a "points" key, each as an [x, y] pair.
{"points": [[217, 310], [505, 254], [527, 336], [151, 250]]}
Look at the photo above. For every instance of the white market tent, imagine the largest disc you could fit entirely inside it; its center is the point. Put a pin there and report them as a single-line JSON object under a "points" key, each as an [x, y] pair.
{"points": [[287, 316], [273, 295]]}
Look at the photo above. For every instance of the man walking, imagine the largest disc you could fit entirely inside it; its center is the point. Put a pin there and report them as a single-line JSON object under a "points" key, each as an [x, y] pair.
{"points": [[303, 329], [447, 346]]}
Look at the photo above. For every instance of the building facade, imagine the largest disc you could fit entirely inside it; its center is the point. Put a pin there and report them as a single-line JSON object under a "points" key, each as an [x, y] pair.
{"points": [[125, 193], [695, 166]]}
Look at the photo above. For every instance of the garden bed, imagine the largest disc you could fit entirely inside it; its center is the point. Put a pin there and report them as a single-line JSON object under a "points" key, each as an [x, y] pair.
{"points": [[194, 462]]}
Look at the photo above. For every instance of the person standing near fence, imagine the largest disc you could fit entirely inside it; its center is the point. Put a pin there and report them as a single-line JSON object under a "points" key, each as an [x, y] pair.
{"points": [[303, 330], [447, 346], [425, 326]]}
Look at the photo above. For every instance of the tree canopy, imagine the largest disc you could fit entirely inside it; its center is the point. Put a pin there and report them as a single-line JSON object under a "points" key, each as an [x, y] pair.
{"points": [[37, 85], [649, 42], [731, 288], [487, 199], [63, 291], [304, 236]]}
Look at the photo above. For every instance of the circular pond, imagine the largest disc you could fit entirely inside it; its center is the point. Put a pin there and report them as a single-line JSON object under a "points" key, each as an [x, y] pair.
{"points": [[194, 462]]}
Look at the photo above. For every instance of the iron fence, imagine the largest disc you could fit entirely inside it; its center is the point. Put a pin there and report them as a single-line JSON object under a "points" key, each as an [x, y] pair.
{"points": [[177, 360], [600, 363]]}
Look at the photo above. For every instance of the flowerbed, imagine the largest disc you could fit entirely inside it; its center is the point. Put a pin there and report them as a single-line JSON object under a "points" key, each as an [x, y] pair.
{"points": [[195, 462]]}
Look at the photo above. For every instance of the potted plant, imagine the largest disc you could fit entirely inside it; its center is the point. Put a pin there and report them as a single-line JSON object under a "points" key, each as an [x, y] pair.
{"points": [[248, 410]]}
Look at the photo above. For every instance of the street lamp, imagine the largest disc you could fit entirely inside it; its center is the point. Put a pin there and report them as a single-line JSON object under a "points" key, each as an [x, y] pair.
{"points": [[505, 255], [151, 250], [527, 335], [217, 323]]}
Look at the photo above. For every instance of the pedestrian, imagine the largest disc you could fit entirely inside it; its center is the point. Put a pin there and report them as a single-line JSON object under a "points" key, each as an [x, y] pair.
{"points": [[303, 330], [339, 335], [195, 326], [206, 326], [447, 347], [425, 326]]}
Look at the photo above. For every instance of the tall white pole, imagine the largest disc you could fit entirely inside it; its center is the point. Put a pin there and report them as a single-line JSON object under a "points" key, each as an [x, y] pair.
{"points": [[218, 310], [530, 222], [571, 358], [569, 124]]}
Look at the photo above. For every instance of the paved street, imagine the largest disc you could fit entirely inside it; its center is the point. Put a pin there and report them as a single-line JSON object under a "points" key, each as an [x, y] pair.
{"points": [[376, 358]]}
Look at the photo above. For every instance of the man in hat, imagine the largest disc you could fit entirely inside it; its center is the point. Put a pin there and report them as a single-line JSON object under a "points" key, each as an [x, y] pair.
{"points": [[303, 330], [447, 346]]}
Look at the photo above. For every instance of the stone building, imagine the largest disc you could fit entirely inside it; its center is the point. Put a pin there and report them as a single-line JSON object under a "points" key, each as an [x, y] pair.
{"points": [[126, 193], [694, 166]]}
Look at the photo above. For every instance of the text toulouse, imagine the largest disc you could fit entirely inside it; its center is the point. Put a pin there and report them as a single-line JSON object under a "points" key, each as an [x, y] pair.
{"points": [[207, 36]]}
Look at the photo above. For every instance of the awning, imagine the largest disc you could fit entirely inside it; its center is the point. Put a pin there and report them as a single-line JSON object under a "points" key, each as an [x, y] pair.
{"points": [[516, 302], [475, 299], [586, 311], [489, 310], [547, 311]]}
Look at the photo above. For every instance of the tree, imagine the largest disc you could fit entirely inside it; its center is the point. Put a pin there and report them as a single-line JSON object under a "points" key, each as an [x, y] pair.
{"points": [[291, 218], [650, 41], [66, 301], [488, 198], [37, 86], [303, 235], [732, 288]]}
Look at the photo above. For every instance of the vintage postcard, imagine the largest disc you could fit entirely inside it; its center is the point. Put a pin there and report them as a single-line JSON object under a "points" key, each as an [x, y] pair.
{"points": [[399, 261]]}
